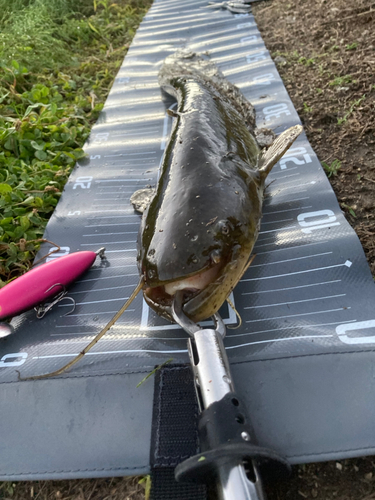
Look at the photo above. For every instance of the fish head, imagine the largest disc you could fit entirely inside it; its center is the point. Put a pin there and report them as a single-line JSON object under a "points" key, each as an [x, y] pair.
{"points": [[205, 263]]}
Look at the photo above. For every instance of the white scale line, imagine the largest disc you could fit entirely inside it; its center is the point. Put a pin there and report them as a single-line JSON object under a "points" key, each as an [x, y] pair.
{"points": [[110, 277], [109, 234], [139, 130], [348, 263], [276, 221], [95, 302], [110, 352], [296, 301], [130, 154], [229, 336], [271, 240], [277, 340], [132, 160], [297, 315], [290, 260], [120, 224], [113, 192], [125, 198], [104, 289], [128, 351], [279, 183], [292, 248], [135, 337], [138, 168], [138, 134], [113, 217], [112, 188], [131, 169], [120, 180], [289, 288], [283, 172], [72, 333], [278, 192], [106, 243], [288, 210], [277, 230], [287, 201], [101, 313], [122, 250], [293, 182], [136, 130], [127, 210]]}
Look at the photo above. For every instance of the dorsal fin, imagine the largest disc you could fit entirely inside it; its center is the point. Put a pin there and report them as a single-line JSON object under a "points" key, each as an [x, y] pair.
{"points": [[272, 155]]}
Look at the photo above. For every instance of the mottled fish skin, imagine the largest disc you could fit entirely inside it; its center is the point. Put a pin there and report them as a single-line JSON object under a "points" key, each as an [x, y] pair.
{"points": [[207, 206]]}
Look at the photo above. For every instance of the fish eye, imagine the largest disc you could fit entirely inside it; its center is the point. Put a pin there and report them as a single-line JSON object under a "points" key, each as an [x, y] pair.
{"points": [[224, 227]]}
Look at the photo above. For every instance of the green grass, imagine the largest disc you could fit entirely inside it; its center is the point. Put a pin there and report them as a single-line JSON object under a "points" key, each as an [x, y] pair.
{"points": [[58, 59], [333, 168], [342, 80], [352, 107]]}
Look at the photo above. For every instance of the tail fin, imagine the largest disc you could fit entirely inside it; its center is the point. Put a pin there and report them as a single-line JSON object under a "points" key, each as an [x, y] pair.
{"points": [[273, 154]]}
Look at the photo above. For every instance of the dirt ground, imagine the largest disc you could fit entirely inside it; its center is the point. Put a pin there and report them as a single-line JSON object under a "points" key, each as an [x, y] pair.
{"points": [[325, 52]]}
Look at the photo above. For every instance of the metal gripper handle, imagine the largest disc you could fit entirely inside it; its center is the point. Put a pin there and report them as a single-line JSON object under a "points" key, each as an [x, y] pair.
{"points": [[213, 381]]}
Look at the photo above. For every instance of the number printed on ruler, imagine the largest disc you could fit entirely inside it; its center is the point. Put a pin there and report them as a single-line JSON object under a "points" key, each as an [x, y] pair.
{"points": [[276, 111], [83, 182], [290, 156], [13, 359], [314, 221]]}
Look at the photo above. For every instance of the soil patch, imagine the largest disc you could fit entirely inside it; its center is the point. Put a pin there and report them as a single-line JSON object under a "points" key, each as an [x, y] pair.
{"points": [[325, 53]]}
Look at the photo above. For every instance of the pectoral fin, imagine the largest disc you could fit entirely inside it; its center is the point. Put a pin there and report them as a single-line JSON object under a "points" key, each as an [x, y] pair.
{"points": [[141, 199], [272, 155]]}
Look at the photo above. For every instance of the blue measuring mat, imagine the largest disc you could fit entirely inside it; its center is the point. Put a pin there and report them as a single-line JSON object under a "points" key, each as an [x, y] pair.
{"points": [[303, 357]]}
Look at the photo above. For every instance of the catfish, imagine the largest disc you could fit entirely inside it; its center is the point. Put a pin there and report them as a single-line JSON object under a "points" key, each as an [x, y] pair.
{"points": [[201, 222], [203, 218]]}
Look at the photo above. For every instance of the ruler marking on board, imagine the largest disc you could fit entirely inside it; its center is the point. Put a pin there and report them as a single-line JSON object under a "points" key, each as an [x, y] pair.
{"points": [[101, 312], [93, 290], [289, 201], [292, 248], [109, 234], [287, 210], [277, 230], [130, 154], [296, 301], [291, 287], [96, 301], [292, 260], [348, 264], [106, 243], [341, 309], [278, 340], [259, 332], [276, 221], [110, 277]]}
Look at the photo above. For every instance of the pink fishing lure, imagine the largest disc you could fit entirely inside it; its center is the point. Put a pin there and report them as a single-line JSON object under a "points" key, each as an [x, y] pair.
{"points": [[43, 282]]}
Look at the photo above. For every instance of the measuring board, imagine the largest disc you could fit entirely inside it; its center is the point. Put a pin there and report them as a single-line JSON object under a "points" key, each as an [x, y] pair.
{"points": [[302, 358]]}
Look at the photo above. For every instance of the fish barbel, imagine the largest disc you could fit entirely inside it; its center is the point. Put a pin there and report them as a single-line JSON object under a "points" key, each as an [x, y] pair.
{"points": [[201, 224]]}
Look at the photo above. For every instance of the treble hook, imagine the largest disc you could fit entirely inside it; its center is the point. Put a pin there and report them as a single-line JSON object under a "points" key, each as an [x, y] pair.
{"points": [[42, 309]]}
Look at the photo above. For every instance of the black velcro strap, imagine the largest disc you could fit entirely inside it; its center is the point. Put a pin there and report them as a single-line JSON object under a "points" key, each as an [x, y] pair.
{"points": [[174, 433]]}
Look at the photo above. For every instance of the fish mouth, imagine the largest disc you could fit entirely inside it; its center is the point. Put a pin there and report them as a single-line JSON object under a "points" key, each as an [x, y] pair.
{"points": [[161, 297]]}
